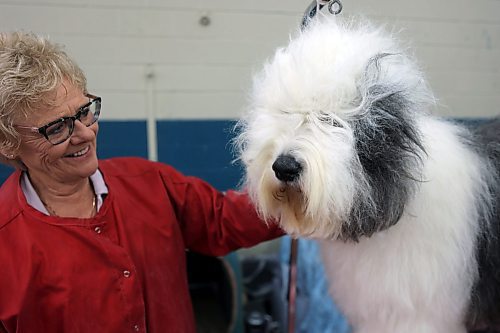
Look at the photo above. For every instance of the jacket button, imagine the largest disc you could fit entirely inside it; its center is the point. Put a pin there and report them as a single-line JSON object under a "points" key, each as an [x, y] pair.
{"points": [[126, 274], [98, 230]]}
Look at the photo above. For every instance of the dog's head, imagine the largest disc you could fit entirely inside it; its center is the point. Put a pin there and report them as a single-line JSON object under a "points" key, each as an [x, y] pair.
{"points": [[330, 142]]}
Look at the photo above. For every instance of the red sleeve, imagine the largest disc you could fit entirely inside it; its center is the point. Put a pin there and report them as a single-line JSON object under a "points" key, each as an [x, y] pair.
{"points": [[213, 222]]}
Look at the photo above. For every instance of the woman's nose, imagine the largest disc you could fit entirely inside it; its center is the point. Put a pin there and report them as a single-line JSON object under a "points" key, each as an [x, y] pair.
{"points": [[82, 133]]}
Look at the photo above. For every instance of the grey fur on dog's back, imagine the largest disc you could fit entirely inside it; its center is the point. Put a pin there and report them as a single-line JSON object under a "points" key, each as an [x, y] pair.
{"points": [[485, 298]]}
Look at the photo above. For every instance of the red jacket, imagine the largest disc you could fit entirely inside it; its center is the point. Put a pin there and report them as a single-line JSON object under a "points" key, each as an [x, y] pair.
{"points": [[123, 270]]}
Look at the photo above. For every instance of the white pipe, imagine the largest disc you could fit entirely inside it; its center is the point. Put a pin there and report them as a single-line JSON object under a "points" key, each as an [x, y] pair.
{"points": [[151, 114]]}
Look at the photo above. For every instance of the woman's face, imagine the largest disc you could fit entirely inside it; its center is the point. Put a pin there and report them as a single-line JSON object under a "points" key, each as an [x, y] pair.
{"points": [[70, 161]]}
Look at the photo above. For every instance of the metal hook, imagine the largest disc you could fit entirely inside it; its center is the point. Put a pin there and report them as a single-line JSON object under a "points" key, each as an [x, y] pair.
{"points": [[318, 5], [339, 7]]}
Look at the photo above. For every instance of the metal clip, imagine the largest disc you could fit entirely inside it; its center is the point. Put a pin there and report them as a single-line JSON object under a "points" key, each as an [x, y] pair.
{"points": [[334, 7], [335, 11]]}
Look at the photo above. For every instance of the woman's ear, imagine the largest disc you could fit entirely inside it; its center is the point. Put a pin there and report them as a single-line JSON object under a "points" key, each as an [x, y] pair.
{"points": [[7, 152], [8, 157]]}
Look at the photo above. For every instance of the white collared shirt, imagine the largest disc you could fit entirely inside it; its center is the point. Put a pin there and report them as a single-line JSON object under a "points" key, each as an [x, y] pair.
{"points": [[34, 201]]}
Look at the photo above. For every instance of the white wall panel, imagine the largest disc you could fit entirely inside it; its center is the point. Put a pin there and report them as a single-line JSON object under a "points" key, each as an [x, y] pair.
{"points": [[223, 25], [200, 77], [196, 67], [198, 105], [434, 58], [210, 52], [467, 83], [446, 33], [122, 105], [114, 78], [444, 10], [68, 20], [469, 105]]}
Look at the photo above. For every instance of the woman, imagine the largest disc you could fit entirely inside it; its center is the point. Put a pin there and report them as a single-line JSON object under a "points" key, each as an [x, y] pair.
{"points": [[89, 245]]}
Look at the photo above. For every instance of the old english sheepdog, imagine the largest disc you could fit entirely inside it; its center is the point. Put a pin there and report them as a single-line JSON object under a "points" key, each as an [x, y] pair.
{"points": [[339, 144]]}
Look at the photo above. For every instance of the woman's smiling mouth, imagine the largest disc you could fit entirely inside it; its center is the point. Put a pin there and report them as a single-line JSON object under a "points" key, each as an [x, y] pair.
{"points": [[79, 153]]}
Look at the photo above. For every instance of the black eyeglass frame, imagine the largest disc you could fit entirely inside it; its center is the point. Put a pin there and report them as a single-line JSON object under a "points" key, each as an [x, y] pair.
{"points": [[43, 130]]}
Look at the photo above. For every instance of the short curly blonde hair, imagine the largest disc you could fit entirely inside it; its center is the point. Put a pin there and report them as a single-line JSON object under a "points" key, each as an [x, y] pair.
{"points": [[31, 67]]}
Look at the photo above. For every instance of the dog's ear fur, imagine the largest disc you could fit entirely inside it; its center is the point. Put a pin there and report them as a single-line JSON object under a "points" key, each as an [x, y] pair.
{"points": [[388, 147]]}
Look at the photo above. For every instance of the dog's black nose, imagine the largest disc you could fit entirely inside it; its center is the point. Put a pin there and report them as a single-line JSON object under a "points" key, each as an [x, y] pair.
{"points": [[286, 168]]}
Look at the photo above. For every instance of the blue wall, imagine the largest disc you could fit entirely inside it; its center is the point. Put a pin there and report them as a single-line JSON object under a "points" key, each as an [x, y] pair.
{"points": [[4, 172], [196, 147], [200, 148]]}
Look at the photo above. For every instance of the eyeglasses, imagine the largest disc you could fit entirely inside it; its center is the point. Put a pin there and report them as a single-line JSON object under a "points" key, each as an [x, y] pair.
{"points": [[60, 130]]}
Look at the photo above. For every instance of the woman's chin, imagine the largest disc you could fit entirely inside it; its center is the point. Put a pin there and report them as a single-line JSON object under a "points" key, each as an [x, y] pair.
{"points": [[83, 166]]}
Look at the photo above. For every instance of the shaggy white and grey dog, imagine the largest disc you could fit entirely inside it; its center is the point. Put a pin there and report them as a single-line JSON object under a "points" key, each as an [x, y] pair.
{"points": [[339, 144]]}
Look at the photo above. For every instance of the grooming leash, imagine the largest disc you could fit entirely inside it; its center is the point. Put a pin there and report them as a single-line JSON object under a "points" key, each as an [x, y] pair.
{"points": [[334, 7], [292, 284]]}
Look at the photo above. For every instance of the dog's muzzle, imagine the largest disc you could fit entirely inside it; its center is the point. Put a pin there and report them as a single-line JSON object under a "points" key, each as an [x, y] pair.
{"points": [[287, 168]]}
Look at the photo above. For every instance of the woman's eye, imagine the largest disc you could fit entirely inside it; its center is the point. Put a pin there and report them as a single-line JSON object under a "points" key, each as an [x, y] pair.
{"points": [[85, 112], [56, 128]]}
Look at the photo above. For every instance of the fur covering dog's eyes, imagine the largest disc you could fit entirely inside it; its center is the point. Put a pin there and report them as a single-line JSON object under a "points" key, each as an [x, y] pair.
{"points": [[328, 119]]}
